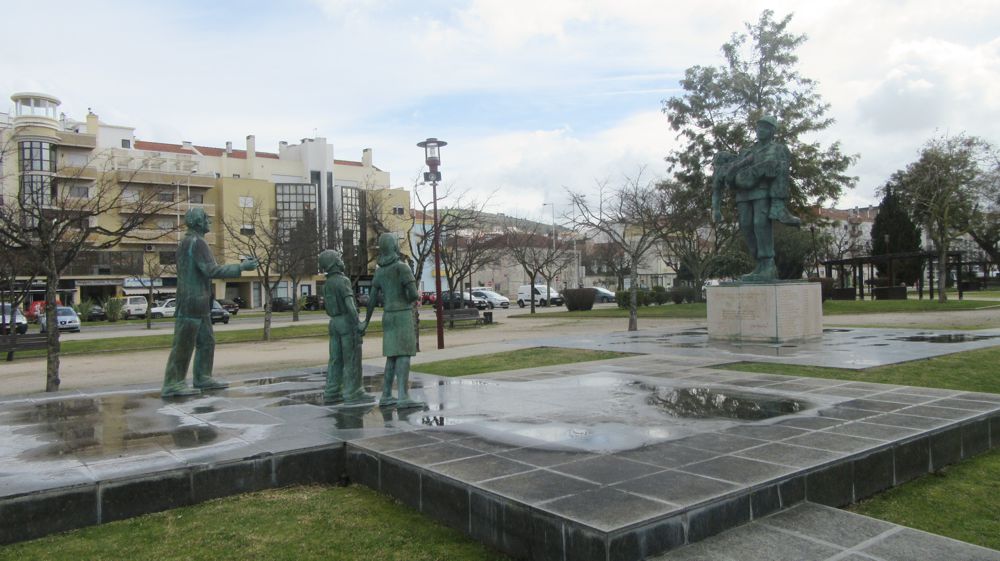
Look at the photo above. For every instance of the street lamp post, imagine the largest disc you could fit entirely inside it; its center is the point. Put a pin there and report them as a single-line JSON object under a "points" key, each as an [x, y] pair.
{"points": [[432, 156]]}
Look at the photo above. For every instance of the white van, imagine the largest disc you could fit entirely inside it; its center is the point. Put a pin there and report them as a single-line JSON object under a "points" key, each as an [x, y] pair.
{"points": [[543, 296], [135, 306]]}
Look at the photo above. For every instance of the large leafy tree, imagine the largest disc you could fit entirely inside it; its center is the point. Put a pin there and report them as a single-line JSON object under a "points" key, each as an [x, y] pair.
{"points": [[942, 187], [894, 232], [720, 105]]}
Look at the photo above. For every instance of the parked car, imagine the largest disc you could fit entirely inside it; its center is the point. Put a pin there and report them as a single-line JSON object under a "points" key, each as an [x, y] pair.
{"points": [[96, 313], [362, 299], [454, 301], [428, 297], [66, 319], [240, 302], [603, 295], [20, 322], [166, 310], [493, 299], [218, 313], [230, 306], [134, 306], [281, 304], [543, 296], [473, 301]]}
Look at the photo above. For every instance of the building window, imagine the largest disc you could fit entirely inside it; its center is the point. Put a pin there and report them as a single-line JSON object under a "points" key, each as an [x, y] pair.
{"points": [[79, 191], [246, 202], [236, 176], [37, 156], [126, 143], [36, 190], [165, 197], [168, 258], [397, 210], [247, 230], [197, 198]]}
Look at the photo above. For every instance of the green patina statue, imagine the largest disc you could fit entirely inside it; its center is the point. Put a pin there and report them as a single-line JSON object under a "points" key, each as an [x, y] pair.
{"points": [[759, 178], [343, 371], [196, 267], [395, 283]]}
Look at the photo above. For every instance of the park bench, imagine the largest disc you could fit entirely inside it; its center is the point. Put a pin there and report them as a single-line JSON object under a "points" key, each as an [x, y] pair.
{"points": [[461, 314], [10, 343]]}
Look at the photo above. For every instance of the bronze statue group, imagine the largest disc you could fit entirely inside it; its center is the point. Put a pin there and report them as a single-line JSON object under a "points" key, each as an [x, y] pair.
{"points": [[393, 283]]}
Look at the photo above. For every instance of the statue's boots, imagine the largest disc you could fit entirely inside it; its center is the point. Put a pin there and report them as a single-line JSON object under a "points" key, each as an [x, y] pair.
{"points": [[779, 212], [358, 398], [753, 276], [768, 272], [211, 384], [178, 390], [332, 398], [404, 394]]}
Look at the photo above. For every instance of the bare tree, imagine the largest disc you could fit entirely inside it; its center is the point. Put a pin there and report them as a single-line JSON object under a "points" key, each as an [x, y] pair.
{"points": [[529, 245], [297, 251], [630, 216], [466, 252], [154, 269], [60, 213], [252, 234], [607, 258], [13, 293]]}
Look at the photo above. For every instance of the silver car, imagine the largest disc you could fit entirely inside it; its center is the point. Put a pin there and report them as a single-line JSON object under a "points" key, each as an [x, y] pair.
{"points": [[20, 322], [492, 298], [66, 319]]}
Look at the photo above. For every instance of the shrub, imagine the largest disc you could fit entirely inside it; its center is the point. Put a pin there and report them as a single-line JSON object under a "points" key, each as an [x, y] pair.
{"points": [[83, 309], [826, 286], [659, 295], [682, 294], [579, 299], [624, 297], [113, 307]]}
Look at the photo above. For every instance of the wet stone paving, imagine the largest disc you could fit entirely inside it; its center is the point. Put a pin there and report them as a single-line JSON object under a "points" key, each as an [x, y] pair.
{"points": [[621, 459]]}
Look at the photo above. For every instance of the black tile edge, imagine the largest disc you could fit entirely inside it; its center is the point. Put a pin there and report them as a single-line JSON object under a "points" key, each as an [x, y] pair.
{"points": [[445, 500], [995, 431], [714, 518], [127, 498], [912, 459], [324, 465], [792, 491], [873, 473], [764, 501], [363, 466], [40, 514], [648, 540], [975, 438], [514, 528], [400, 481], [946, 448], [213, 481], [583, 543], [831, 486]]}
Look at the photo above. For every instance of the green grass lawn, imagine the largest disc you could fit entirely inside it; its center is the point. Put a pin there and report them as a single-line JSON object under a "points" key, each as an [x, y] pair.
{"points": [[830, 307], [973, 371], [513, 360], [959, 502], [293, 524]]}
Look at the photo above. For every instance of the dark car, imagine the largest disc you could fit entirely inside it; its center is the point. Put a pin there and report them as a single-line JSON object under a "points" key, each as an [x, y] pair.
{"points": [[603, 295], [218, 313], [281, 304], [454, 301], [96, 313], [230, 306]]}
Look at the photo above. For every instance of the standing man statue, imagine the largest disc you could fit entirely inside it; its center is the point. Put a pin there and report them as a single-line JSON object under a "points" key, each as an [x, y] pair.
{"points": [[759, 176], [196, 267], [343, 371], [395, 283]]}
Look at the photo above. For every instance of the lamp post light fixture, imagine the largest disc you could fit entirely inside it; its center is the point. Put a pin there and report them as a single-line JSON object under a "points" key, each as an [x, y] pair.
{"points": [[432, 156]]}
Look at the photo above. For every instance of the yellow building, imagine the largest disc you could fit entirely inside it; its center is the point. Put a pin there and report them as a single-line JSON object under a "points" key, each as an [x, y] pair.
{"points": [[225, 182]]}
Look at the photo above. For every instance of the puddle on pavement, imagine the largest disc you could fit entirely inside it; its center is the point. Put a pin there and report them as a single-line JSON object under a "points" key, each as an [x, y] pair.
{"points": [[708, 403], [945, 338]]}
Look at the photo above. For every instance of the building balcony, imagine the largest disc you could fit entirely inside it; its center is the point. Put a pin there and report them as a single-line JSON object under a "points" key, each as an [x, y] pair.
{"points": [[179, 209], [77, 140], [157, 236]]}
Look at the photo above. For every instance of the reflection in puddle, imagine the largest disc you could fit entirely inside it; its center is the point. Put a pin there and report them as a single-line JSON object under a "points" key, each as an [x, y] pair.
{"points": [[701, 403], [945, 338]]}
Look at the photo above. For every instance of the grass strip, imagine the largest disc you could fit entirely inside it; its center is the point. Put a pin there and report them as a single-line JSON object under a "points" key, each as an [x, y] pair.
{"points": [[291, 524], [830, 307], [513, 360], [967, 371], [959, 501]]}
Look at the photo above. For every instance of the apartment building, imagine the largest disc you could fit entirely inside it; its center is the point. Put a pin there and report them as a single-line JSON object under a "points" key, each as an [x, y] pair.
{"points": [[50, 152]]}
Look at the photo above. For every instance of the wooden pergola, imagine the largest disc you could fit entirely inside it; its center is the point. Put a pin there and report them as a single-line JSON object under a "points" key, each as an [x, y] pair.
{"points": [[857, 269]]}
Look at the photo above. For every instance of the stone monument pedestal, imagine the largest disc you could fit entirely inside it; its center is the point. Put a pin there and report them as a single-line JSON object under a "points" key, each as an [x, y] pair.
{"points": [[777, 312]]}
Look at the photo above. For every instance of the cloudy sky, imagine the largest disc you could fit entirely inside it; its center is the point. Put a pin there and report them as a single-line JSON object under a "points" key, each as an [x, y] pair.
{"points": [[533, 96]]}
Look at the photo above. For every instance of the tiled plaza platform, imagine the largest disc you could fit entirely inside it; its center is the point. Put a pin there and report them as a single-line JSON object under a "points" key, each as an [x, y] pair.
{"points": [[620, 459]]}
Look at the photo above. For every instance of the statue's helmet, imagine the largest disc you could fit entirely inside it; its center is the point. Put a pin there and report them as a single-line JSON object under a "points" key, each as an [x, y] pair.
{"points": [[330, 260], [769, 119], [196, 218]]}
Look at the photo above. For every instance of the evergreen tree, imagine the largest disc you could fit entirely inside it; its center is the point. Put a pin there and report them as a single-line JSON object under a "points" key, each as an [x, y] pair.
{"points": [[895, 232]]}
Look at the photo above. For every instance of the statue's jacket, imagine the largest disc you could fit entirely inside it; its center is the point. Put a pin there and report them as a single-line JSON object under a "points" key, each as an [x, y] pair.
{"points": [[196, 267], [765, 175]]}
